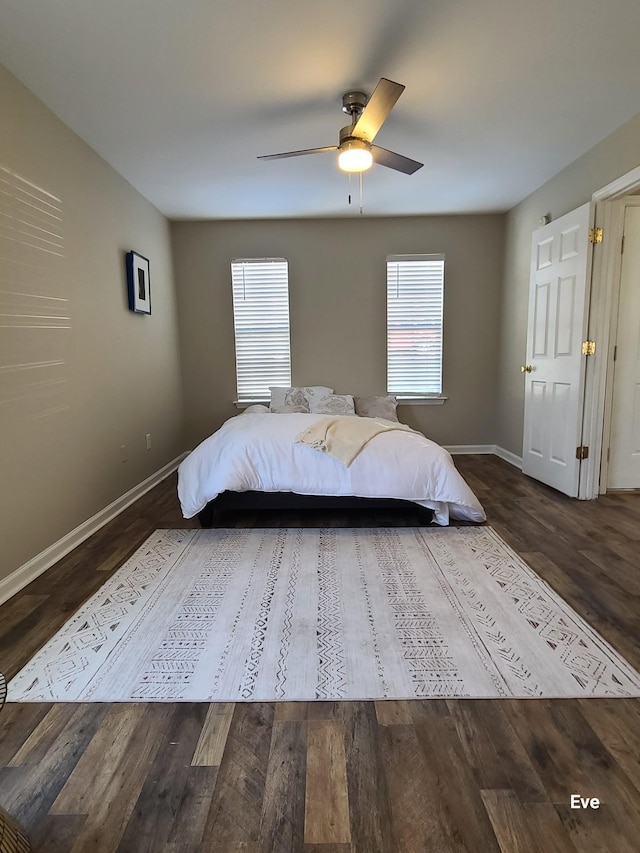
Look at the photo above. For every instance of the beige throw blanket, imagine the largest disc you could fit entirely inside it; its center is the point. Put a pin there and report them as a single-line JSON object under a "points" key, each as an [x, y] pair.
{"points": [[344, 437]]}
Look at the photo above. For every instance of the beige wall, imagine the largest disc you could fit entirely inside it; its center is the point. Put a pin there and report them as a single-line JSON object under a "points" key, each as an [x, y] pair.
{"points": [[118, 374], [613, 157], [337, 292]]}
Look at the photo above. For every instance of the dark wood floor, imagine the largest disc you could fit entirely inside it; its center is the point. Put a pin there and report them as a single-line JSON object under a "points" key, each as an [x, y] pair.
{"points": [[438, 775]]}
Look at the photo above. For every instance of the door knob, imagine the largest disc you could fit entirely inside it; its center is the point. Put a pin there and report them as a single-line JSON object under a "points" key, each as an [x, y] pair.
{"points": [[526, 368]]}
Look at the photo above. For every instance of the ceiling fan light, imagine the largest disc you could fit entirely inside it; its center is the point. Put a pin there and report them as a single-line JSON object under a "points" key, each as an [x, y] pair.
{"points": [[355, 155]]}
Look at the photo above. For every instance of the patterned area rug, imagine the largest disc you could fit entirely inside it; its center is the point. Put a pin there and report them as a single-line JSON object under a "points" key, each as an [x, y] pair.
{"points": [[265, 615]]}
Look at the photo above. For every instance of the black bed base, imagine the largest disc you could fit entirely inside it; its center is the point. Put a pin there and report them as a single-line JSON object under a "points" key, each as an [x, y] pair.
{"points": [[293, 501]]}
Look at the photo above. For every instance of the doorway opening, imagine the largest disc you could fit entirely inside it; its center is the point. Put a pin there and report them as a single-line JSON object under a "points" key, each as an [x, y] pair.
{"points": [[611, 202]]}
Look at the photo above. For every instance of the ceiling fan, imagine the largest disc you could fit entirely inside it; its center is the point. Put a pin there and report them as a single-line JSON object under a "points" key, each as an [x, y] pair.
{"points": [[356, 149]]}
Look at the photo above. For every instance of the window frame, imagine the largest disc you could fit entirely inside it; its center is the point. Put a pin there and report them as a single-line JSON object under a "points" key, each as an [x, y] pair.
{"points": [[432, 311], [247, 343]]}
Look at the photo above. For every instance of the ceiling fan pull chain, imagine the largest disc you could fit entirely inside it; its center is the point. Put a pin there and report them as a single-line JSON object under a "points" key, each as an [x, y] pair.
{"points": [[349, 173], [361, 208]]}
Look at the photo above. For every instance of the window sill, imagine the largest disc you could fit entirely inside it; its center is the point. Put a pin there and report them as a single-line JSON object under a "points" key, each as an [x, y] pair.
{"points": [[436, 400]]}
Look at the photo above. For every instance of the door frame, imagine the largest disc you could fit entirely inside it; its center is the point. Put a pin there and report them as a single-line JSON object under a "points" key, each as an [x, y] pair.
{"points": [[618, 214], [602, 326]]}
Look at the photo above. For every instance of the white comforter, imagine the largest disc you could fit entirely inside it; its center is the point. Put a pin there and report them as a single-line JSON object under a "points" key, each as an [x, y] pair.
{"points": [[258, 452]]}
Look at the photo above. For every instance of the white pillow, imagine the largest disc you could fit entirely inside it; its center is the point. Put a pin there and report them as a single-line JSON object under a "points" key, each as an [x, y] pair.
{"points": [[277, 395], [333, 404], [289, 410], [257, 407], [296, 395]]}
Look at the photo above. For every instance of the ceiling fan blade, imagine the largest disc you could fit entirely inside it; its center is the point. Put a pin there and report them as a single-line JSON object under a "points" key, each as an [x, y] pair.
{"points": [[394, 161], [378, 108], [298, 153]]}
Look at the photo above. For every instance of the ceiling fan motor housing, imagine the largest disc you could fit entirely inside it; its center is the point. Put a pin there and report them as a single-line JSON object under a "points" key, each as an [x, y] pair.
{"points": [[346, 133]]}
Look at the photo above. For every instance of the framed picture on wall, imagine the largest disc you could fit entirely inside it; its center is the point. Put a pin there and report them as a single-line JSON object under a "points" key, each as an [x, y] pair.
{"points": [[138, 283]]}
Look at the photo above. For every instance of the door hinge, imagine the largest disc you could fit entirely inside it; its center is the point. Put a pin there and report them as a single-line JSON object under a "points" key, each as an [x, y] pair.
{"points": [[588, 347], [595, 235], [622, 246], [615, 352], [582, 452]]}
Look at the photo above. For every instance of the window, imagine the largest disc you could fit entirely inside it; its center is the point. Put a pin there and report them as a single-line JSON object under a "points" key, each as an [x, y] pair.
{"points": [[415, 293], [261, 322]]}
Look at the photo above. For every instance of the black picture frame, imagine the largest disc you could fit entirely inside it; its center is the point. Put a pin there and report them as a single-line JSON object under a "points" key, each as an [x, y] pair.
{"points": [[138, 283]]}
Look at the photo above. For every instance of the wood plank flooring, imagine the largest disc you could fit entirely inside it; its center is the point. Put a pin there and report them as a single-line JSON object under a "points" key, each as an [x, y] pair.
{"points": [[332, 777]]}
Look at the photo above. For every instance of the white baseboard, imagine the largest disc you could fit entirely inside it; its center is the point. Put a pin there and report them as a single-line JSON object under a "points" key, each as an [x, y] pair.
{"points": [[465, 449], [511, 458], [28, 572], [508, 456]]}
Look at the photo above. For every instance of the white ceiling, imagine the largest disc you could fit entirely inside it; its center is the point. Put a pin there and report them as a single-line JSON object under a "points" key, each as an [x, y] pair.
{"points": [[180, 96]]}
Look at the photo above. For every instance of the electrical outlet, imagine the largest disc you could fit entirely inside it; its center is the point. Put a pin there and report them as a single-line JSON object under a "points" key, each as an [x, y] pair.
{"points": [[123, 452], [148, 439]]}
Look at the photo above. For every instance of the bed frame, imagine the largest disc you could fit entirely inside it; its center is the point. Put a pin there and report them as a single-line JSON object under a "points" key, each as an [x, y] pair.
{"points": [[294, 501]]}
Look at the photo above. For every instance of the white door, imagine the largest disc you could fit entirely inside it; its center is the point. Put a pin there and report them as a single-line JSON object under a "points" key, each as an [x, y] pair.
{"points": [[555, 366], [624, 459]]}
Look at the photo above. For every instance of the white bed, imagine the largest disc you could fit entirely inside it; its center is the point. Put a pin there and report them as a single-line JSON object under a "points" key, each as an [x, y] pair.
{"points": [[258, 452]]}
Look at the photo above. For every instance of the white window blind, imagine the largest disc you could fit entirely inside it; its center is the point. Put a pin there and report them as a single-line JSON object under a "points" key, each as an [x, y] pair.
{"points": [[415, 296], [261, 323]]}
